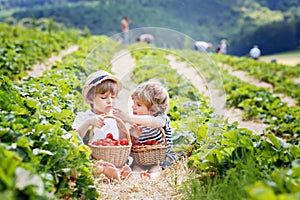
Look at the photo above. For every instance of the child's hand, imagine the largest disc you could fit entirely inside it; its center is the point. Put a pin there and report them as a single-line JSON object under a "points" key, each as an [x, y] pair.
{"points": [[135, 132], [121, 114], [97, 121]]}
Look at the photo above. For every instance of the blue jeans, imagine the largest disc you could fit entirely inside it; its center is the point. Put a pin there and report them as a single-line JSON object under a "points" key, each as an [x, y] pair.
{"points": [[125, 37]]}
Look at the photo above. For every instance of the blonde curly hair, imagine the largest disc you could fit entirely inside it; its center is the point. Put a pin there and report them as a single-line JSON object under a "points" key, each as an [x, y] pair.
{"points": [[153, 95]]}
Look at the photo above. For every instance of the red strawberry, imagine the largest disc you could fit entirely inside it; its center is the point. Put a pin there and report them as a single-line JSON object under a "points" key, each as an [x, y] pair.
{"points": [[148, 142], [138, 144], [73, 177], [116, 143], [153, 142], [124, 142], [110, 136]]}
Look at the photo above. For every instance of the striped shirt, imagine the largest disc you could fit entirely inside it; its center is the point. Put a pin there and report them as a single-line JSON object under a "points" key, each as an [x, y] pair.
{"points": [[155, 134]]}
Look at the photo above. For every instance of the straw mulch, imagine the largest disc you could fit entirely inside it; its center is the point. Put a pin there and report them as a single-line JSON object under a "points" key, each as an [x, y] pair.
{"points": [[164, 185]]}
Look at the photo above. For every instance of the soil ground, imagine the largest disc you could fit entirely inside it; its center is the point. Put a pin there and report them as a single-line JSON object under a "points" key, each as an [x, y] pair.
{"points": [[38, 68]]}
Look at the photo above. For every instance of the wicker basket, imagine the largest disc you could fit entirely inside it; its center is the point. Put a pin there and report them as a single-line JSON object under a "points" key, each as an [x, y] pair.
{"points": [[118, 155], [150, 154]]}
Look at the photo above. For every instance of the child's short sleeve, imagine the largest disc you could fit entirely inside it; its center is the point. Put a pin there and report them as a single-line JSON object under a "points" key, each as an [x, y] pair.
{"points": [[80, 118]]}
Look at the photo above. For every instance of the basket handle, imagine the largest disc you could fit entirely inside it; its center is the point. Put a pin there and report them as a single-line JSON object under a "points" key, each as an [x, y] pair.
{"points": [[120, 128], [163, 136]]}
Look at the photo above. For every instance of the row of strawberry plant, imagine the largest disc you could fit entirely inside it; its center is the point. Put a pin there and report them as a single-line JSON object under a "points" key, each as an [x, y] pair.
{"points": [[255, 101], [46, 158], [279, 75], [216, 148], [20, 48]]}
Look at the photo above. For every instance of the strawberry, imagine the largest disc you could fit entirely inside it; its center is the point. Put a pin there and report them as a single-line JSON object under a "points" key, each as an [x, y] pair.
{"points": [[153, 142], [73, 177], [138, 144], [124, 142], [110, 136], [148, 142], [116, 143]]}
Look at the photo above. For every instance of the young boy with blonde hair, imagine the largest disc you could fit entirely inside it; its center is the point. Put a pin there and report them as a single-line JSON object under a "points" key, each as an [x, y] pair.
{"points": [[150, 103]]}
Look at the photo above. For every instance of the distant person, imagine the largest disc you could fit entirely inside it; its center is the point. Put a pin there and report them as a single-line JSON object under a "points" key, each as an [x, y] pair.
{"points": [[223, 46], [125, 29], [255, 52], [202, 46], [146, 38]]}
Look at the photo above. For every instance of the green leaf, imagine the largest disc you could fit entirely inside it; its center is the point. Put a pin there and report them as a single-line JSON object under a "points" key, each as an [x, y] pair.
{"points": [[202, 131], [274, 141], [260, 191], [232, 135]]}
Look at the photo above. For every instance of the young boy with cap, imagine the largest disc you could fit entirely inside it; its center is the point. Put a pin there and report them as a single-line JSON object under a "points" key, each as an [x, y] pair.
{"points": [[99, 92]]}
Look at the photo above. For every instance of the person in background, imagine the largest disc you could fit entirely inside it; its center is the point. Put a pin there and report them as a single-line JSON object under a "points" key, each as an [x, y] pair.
{"points": [[222, 47], [146, 38], [150, 103], [202, 46], [255, 52], [125, 29]]}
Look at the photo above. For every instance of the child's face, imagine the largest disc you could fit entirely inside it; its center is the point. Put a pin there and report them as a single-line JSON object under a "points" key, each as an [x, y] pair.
{"points": [[103, 103], [139, 108]]}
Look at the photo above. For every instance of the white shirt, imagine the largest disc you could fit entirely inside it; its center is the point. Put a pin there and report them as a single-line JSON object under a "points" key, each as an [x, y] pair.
{"points": [[223, 48], [254, 52], [201, 45], [109, 127]]}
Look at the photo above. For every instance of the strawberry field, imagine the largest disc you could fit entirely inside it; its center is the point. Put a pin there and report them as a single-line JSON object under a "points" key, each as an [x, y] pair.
{"points": [[43, 158]]}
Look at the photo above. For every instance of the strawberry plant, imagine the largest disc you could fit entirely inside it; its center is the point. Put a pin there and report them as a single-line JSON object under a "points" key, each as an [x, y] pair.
{"points": [[36, 137], [21, 48]]}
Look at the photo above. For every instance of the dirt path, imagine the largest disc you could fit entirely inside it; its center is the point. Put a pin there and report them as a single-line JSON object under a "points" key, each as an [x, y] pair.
{"points": [[217, 99], [39, 68], [122, 65]]}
